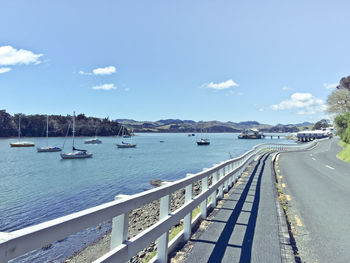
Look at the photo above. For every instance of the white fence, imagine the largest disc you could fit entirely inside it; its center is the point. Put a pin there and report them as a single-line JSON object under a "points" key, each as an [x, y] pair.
{"points": [[222, 175]]}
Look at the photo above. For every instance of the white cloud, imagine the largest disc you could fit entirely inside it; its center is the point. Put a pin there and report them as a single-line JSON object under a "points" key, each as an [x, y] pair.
{"points": [[12, 56], [330, 86], [127, 89], [306, 103], [220, 86], [104, 71], [286, 88], [261, 109], [105, 87], [84, 73], [4, 70]]}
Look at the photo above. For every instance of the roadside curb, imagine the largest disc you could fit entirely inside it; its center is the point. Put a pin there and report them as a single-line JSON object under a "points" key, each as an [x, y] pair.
{"points": [[287, 252]]}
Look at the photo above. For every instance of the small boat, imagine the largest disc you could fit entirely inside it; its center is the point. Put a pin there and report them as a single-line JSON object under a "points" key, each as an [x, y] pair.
{"points": [[21, 143], [161, 141], [124, 144], [48, 148], [251, 134], [93, 141], [77, 153], [203, 142]]}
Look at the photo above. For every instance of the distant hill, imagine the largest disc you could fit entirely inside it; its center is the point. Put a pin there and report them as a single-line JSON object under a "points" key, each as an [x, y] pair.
{"points": [[189, 126]]}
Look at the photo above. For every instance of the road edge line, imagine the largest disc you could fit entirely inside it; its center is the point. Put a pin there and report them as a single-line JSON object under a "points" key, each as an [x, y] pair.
{"points": [[286, 246]]}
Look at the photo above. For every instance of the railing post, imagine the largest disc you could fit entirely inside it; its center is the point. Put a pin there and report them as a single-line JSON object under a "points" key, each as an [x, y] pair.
{"points": [[188, 217], [204, 203], [230, 169], [213, 195], [224, 169], [221, 187], [162, 249], [120, 225]]}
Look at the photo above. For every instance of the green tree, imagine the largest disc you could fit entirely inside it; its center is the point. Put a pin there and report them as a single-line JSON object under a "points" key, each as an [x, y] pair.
{"points": [[341, 122], [321, 124]]}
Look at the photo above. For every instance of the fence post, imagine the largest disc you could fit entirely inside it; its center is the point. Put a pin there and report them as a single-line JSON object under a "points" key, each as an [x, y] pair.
{"points": [[221, 187], [162, 249], [188, 217], [213, 195], [204, 203], [225, 171], [120, 225]]}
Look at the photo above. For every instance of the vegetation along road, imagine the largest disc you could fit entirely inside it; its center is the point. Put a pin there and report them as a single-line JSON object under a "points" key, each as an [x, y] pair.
{"points": [[317, 187]]}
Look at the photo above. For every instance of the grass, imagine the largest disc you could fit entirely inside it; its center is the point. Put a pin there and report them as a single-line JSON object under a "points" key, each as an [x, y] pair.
{"points": [[173, 232], [345, 153]]}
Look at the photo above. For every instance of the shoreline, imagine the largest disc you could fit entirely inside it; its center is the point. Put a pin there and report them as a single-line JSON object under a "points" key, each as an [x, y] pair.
{"points": [[139, 220]]}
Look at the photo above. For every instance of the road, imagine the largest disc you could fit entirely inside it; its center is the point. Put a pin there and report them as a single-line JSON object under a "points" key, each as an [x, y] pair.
{"points": [[245, 228], [317, 185]]}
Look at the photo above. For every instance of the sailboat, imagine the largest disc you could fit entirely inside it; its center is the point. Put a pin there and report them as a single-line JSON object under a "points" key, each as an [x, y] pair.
{"points": [[203, 141], [77, 153], [21, 143], [124, 144], [48, 148], [93, 140]]}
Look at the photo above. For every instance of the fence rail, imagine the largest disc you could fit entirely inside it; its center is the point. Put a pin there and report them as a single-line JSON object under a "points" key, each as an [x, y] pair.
{"points": [[223, 176]]}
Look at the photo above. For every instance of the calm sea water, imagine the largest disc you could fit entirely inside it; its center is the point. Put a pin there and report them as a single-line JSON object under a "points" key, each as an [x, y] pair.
{"points": [[36, 187]]}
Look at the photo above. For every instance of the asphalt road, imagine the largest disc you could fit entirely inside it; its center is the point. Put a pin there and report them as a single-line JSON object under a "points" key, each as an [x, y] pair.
{"points": [[245, 228], [317, 185]]}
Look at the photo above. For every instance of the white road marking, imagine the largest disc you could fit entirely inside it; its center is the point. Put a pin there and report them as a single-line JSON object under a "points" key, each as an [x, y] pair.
{"points": [[329, 167], [313, 158]]}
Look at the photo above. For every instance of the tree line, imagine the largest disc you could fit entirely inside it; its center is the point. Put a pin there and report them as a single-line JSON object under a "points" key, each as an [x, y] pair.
{"points": [[339, 106], [35, 125]]}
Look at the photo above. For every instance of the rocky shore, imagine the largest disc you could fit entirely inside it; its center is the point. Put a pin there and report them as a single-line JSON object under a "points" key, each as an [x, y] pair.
{"points": [[139, 220]]}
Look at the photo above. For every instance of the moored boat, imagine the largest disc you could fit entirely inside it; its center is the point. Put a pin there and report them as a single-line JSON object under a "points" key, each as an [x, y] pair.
{"points": [[125, 144], [93, 141], [203, 142], [48, 148], [21, 143], [77, 153]]}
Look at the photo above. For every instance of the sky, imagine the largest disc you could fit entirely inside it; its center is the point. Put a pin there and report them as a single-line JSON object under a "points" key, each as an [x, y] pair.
{"points": [[268, 61]]}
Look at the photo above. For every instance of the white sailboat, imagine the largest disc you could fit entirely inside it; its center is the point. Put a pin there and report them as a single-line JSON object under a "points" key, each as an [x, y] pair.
{"points": [[125, 144], [21, 143], [77, 153], [93, 140], [48, 148]]}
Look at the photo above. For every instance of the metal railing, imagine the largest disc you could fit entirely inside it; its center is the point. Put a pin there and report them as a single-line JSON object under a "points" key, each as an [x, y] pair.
{"points": [[223, 176]]}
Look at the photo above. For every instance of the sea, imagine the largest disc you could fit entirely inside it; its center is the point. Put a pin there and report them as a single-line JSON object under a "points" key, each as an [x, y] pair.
{"points": [[36, 187]]}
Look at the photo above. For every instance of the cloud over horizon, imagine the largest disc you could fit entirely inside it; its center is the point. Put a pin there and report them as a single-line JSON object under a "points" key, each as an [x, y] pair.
{"points": [[100, 71], [306, 103], [221, 85], [109, 86], [9, 56], [330, 86], [4, 70]]}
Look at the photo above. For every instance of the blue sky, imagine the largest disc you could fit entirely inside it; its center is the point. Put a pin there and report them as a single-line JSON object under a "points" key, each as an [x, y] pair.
{"points": [[270, 61]]}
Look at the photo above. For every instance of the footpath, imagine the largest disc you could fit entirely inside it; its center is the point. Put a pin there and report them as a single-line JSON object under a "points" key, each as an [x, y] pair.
{"points": [[245, 228]]}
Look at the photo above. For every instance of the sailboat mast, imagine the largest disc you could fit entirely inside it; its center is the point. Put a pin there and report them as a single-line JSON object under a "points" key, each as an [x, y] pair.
{"points": [[73, 127], [19, 127], [47, 130]]}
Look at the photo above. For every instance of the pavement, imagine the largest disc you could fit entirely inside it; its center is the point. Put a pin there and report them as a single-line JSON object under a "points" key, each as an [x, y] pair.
{"points": [[317, 187], [245, 228]]}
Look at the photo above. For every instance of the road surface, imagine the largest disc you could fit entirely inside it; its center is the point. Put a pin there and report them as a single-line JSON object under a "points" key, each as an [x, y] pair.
{"points": [[317, 185]]}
